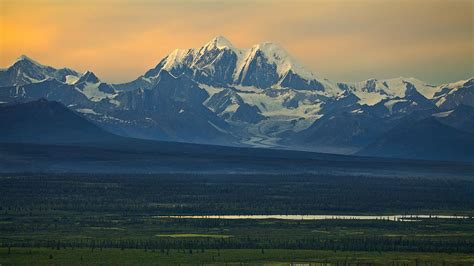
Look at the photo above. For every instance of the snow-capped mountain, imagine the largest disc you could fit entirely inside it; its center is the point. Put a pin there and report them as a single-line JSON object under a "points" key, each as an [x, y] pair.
{"points": [[219, 63], [448, 96], [222, 94], [372, 91], [94, 89], [26, 71]]}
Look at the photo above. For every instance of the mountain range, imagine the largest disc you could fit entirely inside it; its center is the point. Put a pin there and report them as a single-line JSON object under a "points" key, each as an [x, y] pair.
{"points": [[258, 97], [45, 136]]}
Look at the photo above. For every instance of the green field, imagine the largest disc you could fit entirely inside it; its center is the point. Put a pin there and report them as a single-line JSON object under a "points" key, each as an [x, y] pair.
{"points": [[43, 256], [66, 220]]}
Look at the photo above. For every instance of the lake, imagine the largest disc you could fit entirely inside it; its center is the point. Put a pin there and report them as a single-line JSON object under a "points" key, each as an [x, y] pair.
{"points": [[401, 218]]}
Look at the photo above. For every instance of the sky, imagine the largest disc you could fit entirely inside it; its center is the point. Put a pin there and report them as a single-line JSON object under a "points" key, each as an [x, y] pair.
{"points": [[342, 40]]}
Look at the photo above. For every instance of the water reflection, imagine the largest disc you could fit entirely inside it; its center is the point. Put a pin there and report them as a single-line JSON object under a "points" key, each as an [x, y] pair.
{"points": [[401, 218]]}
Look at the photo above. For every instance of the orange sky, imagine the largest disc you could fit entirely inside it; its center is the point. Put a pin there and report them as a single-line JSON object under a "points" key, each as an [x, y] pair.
{"points": [[343, 40]]}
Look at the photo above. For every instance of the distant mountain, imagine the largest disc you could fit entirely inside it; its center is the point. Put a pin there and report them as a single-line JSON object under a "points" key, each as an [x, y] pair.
{"points": [[461, 117], [174, 107], [94, 89], [25, 71], [43, 121], [373, 91], [427, 139], [343, 132], [258, 97], [218, 63], [451, 95], [50, 89]]}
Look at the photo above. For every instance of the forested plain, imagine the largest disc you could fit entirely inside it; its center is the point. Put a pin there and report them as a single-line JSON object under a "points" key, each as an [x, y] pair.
{"points": [[74, 218]]}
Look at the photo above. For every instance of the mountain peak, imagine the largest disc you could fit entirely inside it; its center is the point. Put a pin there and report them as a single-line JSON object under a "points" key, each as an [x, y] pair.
{"points": [[24, 58], [89, 77], [282, 59], [175, 58], [219, 42], [269, 45]]}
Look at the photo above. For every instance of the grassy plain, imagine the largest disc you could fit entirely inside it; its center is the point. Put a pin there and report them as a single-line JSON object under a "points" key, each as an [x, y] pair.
{"points": [[111, 220]]}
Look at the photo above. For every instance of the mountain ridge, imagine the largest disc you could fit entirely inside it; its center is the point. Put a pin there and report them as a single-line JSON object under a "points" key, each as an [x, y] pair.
{"points": [[47, 122], [220, 94]]}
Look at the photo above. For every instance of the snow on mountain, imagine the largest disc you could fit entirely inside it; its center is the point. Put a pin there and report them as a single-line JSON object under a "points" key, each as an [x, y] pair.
{"points": [[451, 95], [176, 58], [201, 58], [89, 77], [277, 102], [26, 70], [258, 117], [373, 91], [278, 56], [71, 79], [288, 103], [390, 103], [91, 86], [219, 42], [268, 65], [219, 63], [222, 94]]}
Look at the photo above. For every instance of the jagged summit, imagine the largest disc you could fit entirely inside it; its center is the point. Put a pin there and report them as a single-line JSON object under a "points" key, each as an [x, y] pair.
{"points": [[27, 58], [219, 42], [25, 61], [89, 77], [26, 70], [219, 63], [178, 57], [277, 55]]}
